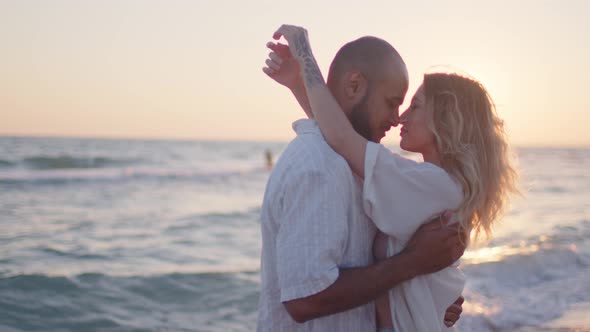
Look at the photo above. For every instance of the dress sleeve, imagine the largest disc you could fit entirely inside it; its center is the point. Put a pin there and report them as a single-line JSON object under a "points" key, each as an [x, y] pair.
{"points": [[400, 194], [312, 235]]}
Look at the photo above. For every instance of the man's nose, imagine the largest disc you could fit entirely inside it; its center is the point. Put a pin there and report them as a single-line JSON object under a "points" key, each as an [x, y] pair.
{"points": [[395, 119]]}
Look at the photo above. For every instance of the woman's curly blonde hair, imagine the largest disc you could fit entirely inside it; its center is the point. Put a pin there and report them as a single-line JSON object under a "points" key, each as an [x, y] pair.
{"points": [[473, 148]]}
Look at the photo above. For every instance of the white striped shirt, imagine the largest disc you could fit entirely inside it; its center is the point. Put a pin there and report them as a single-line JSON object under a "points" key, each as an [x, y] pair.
{"points": [[312, 224]]}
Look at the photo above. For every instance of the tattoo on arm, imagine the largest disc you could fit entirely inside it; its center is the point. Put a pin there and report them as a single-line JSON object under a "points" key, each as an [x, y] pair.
{"points": [[311, 70]]}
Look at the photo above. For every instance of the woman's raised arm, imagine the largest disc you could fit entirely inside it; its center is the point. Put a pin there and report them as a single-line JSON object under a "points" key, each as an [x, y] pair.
{"points": [[334, 124]]}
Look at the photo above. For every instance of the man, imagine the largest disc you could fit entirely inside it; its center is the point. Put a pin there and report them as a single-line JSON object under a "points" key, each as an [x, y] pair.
{"points": [[317, 264]]}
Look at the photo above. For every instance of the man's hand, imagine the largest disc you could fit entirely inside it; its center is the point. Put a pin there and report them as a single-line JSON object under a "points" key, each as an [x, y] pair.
{"points": [[283, 67], [436, 245], [453, 312]]}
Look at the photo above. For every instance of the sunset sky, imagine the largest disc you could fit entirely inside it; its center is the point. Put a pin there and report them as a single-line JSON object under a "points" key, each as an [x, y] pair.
{"points": [[192, 69]]}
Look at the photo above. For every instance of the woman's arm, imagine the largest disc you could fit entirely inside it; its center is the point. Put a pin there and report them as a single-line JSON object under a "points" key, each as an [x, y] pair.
{"points": [[334, 124]]}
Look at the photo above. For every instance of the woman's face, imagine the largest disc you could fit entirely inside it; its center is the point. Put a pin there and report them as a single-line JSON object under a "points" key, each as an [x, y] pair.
{"points": [[415, 135]]}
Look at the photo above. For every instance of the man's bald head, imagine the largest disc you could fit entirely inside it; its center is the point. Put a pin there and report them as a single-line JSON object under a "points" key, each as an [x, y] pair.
{"points": [[367, 55], [369, 80]]}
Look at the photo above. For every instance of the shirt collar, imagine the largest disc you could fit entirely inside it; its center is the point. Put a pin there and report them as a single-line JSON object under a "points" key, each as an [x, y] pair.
{"points": [[304, 126]]}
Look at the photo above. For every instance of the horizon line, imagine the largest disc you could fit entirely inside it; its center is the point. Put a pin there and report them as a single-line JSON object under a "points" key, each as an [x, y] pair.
{"points": [[252, 140]]}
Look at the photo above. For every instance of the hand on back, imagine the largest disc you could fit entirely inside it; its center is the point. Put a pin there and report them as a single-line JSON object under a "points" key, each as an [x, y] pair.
{"points": [[436, 245]]}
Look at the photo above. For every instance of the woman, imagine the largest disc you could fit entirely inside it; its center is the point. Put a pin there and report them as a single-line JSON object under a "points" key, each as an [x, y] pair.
{"points": [[452, 123]]}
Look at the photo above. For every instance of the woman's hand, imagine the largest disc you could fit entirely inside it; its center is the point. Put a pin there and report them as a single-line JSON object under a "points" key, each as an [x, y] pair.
{"points": [[282, 67], [285, 62], [285, 68], [300, 48], [296, 37]]}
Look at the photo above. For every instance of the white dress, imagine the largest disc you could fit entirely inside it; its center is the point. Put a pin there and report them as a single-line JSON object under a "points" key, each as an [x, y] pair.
{"points": [[399, 195]]}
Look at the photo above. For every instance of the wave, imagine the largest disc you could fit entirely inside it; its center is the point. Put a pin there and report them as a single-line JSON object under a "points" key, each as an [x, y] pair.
{"points": [[44, 162], [95, 301], [531, 284], [64, 283], [527, 288], [6, 163], [202, 222], [56, 176], [73, 162], [70, 254]]}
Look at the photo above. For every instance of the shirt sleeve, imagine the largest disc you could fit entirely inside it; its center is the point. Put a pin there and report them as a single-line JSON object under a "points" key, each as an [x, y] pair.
{"points": [[400, 194], [312, 235]]}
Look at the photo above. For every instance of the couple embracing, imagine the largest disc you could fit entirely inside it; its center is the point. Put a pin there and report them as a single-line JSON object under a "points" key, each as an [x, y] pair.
{"points": [[356, 237]]}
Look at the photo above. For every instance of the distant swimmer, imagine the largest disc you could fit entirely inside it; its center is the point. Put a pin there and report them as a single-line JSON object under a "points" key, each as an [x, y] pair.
{"points": [[268, 157]]}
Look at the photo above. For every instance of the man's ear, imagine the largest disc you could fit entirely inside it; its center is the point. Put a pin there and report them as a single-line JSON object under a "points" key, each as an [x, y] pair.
{"points": [[355, 86]]}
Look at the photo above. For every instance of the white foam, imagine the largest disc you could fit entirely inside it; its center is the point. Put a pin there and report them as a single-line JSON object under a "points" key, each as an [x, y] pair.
{"points": [[526, 289]]}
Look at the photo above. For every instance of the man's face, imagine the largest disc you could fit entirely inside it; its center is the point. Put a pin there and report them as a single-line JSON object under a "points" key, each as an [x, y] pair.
{"points": [[378, 110]]}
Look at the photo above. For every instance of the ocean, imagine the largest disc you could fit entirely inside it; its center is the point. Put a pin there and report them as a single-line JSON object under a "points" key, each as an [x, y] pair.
{"points": [[162, 235]]}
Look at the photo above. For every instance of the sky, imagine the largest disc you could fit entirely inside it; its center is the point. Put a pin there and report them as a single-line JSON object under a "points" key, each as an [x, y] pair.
{"points": [[193, 69]]}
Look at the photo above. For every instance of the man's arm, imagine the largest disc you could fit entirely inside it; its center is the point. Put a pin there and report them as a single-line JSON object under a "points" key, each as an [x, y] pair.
{"points": [[354, 287], [432, 248]]}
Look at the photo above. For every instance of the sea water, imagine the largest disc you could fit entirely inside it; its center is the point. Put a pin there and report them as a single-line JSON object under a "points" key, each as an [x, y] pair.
{"points": [[155, 235]]}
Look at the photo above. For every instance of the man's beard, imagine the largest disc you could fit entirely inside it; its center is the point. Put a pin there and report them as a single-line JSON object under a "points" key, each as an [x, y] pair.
{"points": [[359, 117]]}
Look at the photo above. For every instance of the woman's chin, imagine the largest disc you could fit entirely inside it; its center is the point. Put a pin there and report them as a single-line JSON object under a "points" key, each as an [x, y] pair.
{"points": [[407, 147], [404, 146]]}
